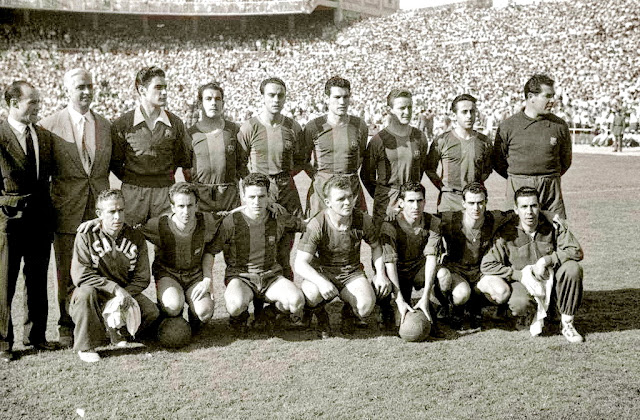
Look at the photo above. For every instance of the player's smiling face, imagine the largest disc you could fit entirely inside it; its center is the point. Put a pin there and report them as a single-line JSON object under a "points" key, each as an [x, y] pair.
{"points": [[339, 101], [412, 205], [466, 114], [212, 103], [255, 200], [402, 110], [474, 205], [528, 210], [543, 102], [274, 97], [340, 201], [155, 94], [80, 90], [111, 215], [184, 208]]}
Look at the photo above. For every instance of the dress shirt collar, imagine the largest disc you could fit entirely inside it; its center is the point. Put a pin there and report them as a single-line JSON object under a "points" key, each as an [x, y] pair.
{"points": [[19, 126], [76, 117]]}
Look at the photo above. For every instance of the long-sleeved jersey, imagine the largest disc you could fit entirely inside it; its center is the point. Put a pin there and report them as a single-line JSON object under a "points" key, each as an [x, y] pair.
{"points": [[528, 146], [104, 262]]}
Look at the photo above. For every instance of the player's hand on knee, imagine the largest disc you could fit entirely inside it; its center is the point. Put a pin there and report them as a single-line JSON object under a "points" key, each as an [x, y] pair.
{"points": [[202, 289], [127, 299], [327, 290], [92, 225]]}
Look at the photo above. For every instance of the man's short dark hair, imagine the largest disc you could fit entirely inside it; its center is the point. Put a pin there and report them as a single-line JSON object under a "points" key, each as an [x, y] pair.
{"points": [[525, 192], [339, 182], [14, 91], [534, 84], [398, 93], [186, 188], [460, 98], [274, 80], [411, 186], [336, 81], [475, 188], [255, 179], [146, 74], [212, 86], [106, 195]]}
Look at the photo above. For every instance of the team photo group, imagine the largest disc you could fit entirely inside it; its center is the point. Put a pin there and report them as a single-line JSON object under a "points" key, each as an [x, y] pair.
{"points": [[466, 264]]}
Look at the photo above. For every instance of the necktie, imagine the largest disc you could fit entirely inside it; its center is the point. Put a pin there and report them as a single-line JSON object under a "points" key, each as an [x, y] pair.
{"points": [[86, 156], [31, 153]]}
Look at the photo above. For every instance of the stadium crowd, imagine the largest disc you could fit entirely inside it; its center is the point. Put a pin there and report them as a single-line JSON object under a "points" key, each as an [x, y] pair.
{"points": [[590, 48]]}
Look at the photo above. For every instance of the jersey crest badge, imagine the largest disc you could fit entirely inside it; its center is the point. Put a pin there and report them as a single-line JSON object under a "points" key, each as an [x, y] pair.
{"points": [[231, 148], [168, 133], [272, 240], [354, 144], [553, 141], [288, 145], [416, 154]]}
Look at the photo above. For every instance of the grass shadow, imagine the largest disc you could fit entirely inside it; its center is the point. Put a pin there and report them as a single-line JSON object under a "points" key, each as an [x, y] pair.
{"points": [[609, 311]]}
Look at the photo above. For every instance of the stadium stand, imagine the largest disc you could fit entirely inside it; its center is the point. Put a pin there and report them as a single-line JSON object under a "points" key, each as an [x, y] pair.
{"points": [[589, 47]]}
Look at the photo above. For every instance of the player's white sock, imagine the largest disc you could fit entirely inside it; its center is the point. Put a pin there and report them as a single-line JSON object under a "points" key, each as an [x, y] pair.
{"points": [[566, 318]]}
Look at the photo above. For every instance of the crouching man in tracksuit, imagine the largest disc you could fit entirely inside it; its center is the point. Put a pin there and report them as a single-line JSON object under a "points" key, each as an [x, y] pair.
{"points": [[109, 262]]}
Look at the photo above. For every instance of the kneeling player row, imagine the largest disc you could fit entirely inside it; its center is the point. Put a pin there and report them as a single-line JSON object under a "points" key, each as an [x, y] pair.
{"points": [[482, 257]]}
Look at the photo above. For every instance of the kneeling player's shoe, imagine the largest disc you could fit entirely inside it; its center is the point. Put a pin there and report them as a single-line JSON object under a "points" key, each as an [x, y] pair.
{"points": [[238, 324], [348, 320], [265, 322], [118, 339], [89, 356], [324, 325], [570, 333]]}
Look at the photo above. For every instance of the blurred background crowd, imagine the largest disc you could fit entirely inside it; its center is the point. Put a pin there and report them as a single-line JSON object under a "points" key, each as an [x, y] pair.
{"points": [[591, 49]]}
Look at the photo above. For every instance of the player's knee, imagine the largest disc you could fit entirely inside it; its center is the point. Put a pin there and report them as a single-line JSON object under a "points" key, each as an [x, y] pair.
{"points": [[364, 307], [204, 309], [172, 305], [294, 301], [444, 279], [571, 271], [311, 293], [83, 295], [461, 294], [235, 304]]}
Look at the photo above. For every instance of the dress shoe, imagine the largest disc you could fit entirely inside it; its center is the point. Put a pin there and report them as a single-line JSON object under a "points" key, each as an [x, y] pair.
{"points": [[6, 356], [43, 346]]}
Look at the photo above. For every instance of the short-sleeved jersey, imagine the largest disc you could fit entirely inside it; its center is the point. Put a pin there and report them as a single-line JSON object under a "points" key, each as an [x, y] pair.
{"points": [[149, 158], [336, 149], [180, 250], [271, 150], [463, 252], [251, 246], [335, 248], [392, 160], [408, 247], [462, 160], [215, 155]]}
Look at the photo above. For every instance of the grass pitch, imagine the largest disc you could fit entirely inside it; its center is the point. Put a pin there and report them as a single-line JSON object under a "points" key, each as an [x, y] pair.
{"points": [[495, 374]]}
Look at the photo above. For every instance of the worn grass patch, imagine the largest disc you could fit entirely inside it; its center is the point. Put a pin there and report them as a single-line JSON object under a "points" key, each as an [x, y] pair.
{"points": [[495, 374]]}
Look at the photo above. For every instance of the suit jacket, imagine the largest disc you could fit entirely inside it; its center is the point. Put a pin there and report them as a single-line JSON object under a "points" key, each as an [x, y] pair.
{"points": [[24, 200], [70, 183]]}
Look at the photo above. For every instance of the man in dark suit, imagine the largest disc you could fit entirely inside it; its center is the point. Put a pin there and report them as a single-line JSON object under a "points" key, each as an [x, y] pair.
{"points": [[25, 216], [81, 154]]}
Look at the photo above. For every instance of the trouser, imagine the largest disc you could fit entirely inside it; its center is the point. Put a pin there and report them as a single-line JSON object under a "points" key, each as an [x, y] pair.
{"points": [[549, 190], [617, 143], [143, 203], [86, 308], [217, 197], [566, 296], [34, 247], [63, 247]]}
